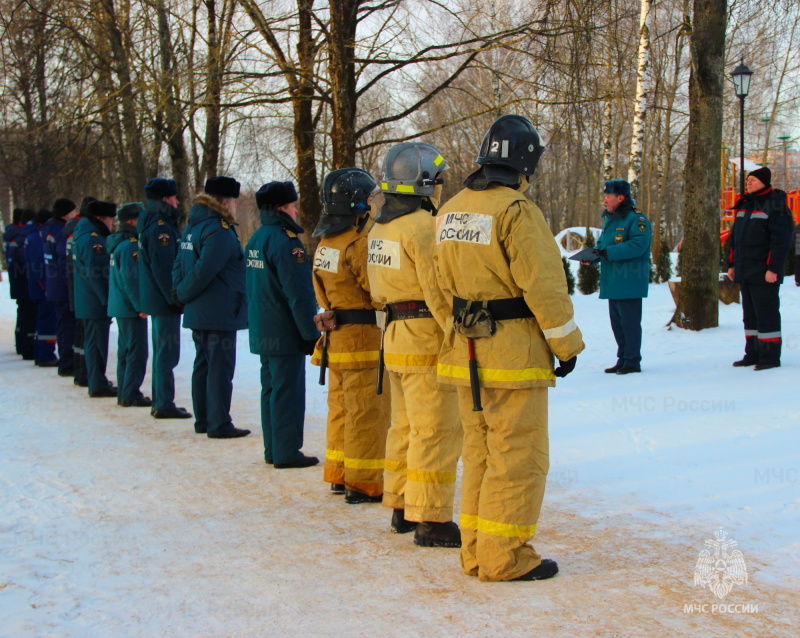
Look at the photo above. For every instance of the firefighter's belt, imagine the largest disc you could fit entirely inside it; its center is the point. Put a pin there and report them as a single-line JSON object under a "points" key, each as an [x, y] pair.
{"points": [[361, 316], [408, 310], [500, 309]]}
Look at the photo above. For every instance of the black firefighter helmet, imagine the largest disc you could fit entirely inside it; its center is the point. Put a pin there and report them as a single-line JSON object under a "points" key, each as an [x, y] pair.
{"points": [[512, 142], [345, 192]]}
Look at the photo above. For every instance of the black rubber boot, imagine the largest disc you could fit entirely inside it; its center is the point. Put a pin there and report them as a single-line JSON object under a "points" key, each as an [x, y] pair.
{"points": [[769, 355], [437, 535], [546, 570], [354, 497], [337, 488], [399, 523], [750, 353]]}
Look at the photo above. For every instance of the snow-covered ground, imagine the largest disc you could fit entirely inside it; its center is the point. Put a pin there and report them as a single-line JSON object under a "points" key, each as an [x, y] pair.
{"points": [[114, 524]]}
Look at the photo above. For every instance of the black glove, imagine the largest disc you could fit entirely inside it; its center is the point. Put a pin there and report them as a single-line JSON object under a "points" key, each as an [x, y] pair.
{"points": [[176, 304], [600, 252], [310, 344], [566, 367]]}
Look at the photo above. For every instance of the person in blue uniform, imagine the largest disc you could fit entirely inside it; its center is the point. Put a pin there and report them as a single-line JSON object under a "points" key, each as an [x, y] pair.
{"points": [[78, 337], [159, 239], [46, 322], [91, 263], [209, 281], [282, 306], [124, 306], [624, 251], [14, 240], [56, 291]]}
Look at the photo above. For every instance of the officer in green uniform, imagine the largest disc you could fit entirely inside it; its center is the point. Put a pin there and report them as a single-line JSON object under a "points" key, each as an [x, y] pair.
{"points": [[208, 278], [282, 306], [159, 238], [91, 291], [123, 304]]}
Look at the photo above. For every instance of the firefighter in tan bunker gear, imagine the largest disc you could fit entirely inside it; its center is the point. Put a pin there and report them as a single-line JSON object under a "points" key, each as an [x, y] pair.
{"points": [[493, 245], [357, 418], [424, 440]]}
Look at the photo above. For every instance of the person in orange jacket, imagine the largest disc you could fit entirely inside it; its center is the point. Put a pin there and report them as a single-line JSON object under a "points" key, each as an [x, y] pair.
{"points": [[357, 418]]}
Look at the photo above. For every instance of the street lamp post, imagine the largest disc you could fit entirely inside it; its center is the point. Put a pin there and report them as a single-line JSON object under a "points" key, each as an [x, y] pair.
{"points": [[783, 139], [741, 82]]}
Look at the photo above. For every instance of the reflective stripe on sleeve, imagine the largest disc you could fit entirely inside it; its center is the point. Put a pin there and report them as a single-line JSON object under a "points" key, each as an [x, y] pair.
{"points": [[561, 331], [493, 528], [489, 374]]}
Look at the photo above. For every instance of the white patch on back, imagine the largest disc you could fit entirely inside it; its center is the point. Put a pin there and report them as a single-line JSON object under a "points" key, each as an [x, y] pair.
{"points": [[326, 258], [384, 252], [474, 228]]}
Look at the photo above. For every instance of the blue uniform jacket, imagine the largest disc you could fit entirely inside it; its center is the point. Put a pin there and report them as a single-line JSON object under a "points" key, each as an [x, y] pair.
{"points": [[761, 236], [55, 264], [280, 291], [34, 261], [123, 274], [209, 270], [159, 240], [90, 259], [625, 271], [69, 240], [12, 240]]}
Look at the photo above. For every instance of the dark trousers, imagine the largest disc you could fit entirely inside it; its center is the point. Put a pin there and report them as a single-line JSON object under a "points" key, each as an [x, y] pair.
{"points": [[26, 328], [79, 337], [761, 311], [166, 355], [46, 327], [283, 406], [65, 334], [131, 357], [626, 323], [95, 347], [212, 379]]}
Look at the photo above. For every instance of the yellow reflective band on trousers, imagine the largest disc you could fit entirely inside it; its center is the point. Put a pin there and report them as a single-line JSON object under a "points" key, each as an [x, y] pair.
{"points": [[409, 360], [422, 447], [506, 461], [497, 529], [357, 423], [351, 357], [487, 374]]}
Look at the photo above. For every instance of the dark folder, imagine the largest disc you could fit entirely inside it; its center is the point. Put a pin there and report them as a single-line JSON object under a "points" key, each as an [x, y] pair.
{"points": [[587, 254]]}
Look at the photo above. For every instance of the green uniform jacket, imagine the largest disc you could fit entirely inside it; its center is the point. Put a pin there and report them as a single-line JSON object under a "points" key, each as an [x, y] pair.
{"points": [[158, 246], [90, 260], [123, 283], [279, 288], [209, 270], [625, 271]]}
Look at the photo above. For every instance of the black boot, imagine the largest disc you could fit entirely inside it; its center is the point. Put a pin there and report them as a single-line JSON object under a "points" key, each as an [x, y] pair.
{"points": [[613, 369], [354, 497], [750, 353], [769, 355], [303, 461], [399, 523], [438, 535], [547, 569], [337, 488]]}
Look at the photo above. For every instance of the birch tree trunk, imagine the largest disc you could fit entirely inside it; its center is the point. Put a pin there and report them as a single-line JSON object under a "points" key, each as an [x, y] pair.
{"points": [[698, 307], [608, 144], [640, 105]]}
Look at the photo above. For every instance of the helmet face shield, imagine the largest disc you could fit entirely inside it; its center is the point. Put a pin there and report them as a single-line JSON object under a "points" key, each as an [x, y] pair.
{"points": [[345, 196], [412, 168], [512, 141]]}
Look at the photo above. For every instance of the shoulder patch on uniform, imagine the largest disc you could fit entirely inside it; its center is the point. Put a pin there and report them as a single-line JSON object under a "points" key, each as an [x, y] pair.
{"points": [[473, 228], [644, 219], [163, 239], [384, 252], [98, 248], [642, 227], [290, 234], [135, 255], [618, 238], [327, 258], [299, 255], [224, 224], [161, 222]]}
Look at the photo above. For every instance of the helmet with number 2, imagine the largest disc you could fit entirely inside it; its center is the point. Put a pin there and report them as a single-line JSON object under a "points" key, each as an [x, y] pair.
{"points": [[512, 141]]}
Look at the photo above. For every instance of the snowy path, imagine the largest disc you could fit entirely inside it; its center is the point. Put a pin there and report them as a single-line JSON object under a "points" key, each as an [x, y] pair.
{"points": [[113, 524]]}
